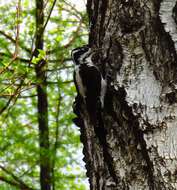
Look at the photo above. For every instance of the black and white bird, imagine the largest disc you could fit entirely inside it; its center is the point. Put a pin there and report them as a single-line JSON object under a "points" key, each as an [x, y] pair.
{"points": [[89, 81]]}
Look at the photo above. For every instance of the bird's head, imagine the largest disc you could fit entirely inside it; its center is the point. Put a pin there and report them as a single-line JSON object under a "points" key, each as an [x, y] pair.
{"points": [[80, 53]]}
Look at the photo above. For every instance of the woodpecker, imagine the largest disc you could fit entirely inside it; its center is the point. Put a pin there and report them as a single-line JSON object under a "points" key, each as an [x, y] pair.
{"points": [[89, 81], [91, 86]]}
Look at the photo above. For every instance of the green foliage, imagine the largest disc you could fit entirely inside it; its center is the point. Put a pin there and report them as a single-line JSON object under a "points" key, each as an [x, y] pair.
{"points": [[41, 56], [19, 146]]}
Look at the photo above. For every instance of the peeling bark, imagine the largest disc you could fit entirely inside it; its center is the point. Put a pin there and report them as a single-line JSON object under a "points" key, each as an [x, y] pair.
{"points": [[135, 146]]}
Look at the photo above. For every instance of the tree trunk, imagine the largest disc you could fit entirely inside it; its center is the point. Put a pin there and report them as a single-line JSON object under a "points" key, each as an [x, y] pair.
{"points": [[134, 147], [42, 104]]}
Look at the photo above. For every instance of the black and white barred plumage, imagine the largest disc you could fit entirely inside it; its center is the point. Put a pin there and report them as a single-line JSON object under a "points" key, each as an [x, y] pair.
{"points": [[88, 79]]}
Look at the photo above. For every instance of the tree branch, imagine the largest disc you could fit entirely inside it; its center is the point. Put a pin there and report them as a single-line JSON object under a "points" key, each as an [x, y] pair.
{"points": [[18, 182], [11, 98], [53, 5], [13, 183], [16, 52], [14, 41]]}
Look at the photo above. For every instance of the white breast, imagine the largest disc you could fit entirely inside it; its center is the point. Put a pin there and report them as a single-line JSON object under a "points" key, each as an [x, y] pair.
{"points": [[80, 85]]}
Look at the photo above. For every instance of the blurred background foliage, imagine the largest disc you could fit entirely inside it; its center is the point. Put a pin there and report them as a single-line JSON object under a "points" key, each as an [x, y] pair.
{"points": [[19, 147]]}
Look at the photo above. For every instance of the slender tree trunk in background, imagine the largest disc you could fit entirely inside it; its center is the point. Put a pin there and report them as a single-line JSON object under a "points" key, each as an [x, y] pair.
{"points": [[45, 168], [135, 147]]}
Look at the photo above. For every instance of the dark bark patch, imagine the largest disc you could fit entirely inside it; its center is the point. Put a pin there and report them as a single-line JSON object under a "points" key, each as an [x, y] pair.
{"points": [[131, 16], [171, 97], [133, 123], [161, 56], [115, 55], [103, 14], [174, 13], [93, 18]]}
